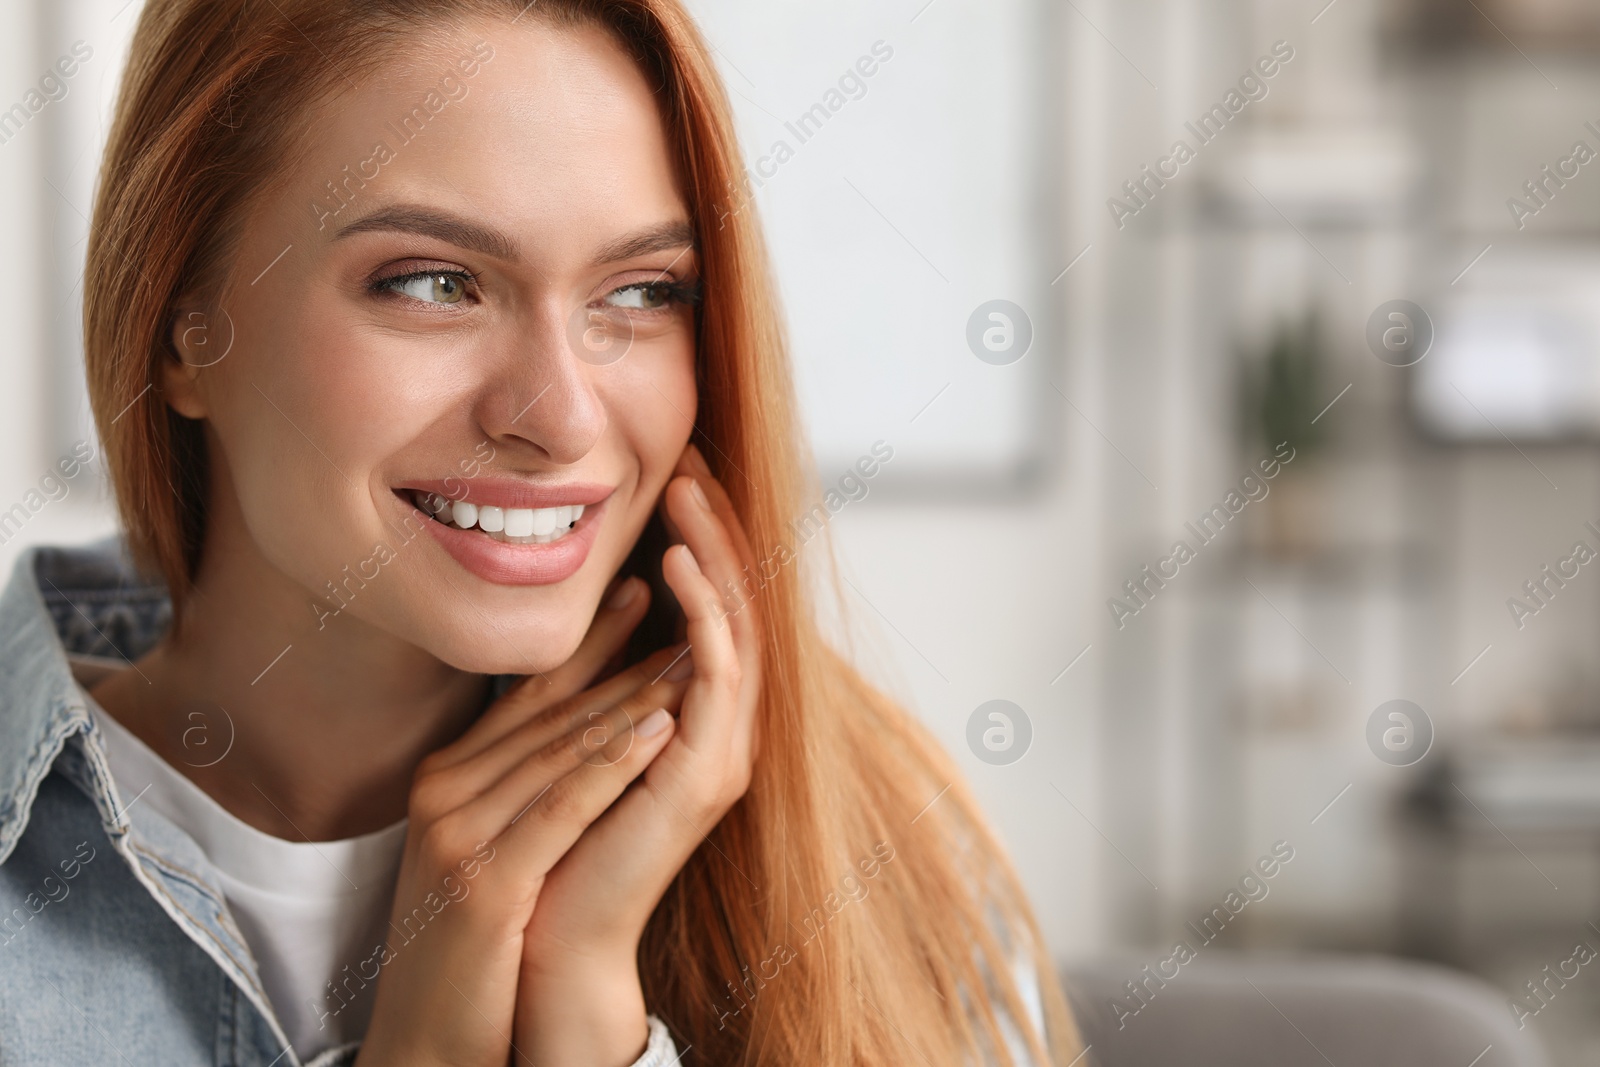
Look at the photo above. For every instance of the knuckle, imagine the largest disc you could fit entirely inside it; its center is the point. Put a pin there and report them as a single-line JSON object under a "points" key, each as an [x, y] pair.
{"points": [[443, 843], [430, 797], [734, 782], [704, 801], [706, 808], [589, 735], [649, 669], [430, 764], [728, 789], [564, 713], [563, 802], [527, 697]]}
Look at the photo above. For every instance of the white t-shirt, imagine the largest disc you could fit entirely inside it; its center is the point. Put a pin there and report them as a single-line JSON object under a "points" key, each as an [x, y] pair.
{"points": [[306, 909]]}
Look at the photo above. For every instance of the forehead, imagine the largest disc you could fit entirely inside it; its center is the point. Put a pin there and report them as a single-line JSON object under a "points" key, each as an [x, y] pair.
{"points": [[549, 133]]}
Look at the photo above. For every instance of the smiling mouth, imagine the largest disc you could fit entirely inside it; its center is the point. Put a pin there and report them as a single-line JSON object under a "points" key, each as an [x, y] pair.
{"points": [[517, 526]]}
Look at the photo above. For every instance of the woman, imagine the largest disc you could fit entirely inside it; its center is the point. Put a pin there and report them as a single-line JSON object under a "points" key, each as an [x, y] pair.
{"points": [[476, 715]]}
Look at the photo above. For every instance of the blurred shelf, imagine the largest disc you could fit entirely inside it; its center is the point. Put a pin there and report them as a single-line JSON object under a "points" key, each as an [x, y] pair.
{"points": [[1536, 785], [1354, 569]]}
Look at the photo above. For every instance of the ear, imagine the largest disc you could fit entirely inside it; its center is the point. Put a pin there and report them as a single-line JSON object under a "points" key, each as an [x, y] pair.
{"points": [[192, 351]]}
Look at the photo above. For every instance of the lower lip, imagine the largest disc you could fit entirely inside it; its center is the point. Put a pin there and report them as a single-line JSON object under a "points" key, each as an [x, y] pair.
{"points": [[504, 563]]}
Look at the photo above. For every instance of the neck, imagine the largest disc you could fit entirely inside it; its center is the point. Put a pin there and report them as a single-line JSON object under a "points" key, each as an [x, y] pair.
{"points": [[326, 724]]}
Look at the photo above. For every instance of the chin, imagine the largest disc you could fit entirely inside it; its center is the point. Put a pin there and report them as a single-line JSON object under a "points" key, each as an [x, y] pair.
{"points": [[534, 647]]}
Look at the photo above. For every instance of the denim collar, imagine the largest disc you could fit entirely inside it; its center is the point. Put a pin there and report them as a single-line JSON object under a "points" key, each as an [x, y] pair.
{"points": [[89, 600]]}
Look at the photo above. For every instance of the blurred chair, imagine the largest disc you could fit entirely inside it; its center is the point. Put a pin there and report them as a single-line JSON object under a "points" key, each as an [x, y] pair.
{"points": [[1237, 1010]]}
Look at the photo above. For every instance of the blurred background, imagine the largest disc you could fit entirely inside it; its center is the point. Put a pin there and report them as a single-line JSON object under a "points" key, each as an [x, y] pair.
{"points": [[1344, 346]]}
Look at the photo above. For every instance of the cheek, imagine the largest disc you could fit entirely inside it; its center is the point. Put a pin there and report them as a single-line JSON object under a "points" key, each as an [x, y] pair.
{"points": [[308, 410], [355, 395], [652, 405], [368, 392]]}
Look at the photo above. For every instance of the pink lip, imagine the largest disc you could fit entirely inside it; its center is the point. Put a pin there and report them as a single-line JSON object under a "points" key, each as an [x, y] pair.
{"points": [[508, 564], [511, 493]]}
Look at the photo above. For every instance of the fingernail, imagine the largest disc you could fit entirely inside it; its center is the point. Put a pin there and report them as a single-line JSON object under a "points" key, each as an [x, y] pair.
{"points": [[654, 723], [623, 595], [699, 494], [681, 669], [688, 554]]}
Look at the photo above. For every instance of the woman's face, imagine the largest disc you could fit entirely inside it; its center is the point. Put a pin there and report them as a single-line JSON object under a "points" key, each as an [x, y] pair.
{"points": [[468, 291]]}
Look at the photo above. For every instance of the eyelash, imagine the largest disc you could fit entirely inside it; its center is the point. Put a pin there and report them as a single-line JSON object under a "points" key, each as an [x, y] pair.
{"points": [[688, 293], [679, 292], [393, 281]]}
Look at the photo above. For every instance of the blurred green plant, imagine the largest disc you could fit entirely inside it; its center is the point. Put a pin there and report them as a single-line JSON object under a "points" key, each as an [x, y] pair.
{"points": [[1280, 387]]}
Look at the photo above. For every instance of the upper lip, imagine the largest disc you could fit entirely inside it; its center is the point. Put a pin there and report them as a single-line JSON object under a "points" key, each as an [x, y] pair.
{"points": [[510, 492]]}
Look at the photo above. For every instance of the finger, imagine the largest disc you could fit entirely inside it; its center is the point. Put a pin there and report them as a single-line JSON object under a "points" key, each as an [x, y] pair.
{"points": [[674, 535], [693, 462], [708, 538], [626, 882], [608, 633], [481, 771], [619, 615], [746, 615], [711, 542], [492, 809], [711, 701], [540, 822], [685, 789]]}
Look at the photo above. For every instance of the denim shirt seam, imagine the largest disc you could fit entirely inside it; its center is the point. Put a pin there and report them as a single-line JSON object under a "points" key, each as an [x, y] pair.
{"points": [[179, 873], [120, 832], [197, 931], [37, 768], [335, 1056], [175, 871]]}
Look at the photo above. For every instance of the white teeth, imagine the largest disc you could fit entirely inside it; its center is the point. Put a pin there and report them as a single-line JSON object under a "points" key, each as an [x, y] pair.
{"points": [[519, 522], [523, 526]]}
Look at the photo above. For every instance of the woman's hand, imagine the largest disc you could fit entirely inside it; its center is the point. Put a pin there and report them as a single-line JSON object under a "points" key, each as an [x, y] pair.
{"points": [[578, 998], [490, 815]]}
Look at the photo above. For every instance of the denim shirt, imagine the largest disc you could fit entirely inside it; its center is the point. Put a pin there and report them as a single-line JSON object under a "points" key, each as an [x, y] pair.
{"points": [[116, 944]]}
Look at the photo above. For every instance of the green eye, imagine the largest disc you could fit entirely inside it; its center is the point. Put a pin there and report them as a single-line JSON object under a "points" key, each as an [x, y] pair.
{"points": [[645, 296], [434, 288]]}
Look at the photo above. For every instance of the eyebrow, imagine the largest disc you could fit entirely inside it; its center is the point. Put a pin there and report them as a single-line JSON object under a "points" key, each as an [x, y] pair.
{"points": [[452, 229], [429, 222], [662, 238]]}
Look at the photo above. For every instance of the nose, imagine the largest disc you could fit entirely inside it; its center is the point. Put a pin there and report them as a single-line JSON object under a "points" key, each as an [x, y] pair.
{"points": [[542, 399]]}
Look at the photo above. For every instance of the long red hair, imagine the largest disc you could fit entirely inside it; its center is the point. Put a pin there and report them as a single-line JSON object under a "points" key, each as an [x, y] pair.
{"points": [[837, 914]]}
